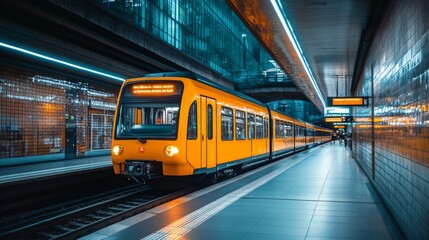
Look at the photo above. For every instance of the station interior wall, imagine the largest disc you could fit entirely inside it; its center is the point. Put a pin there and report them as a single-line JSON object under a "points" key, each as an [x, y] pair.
{"points": [[394, 151], [37, 107]]}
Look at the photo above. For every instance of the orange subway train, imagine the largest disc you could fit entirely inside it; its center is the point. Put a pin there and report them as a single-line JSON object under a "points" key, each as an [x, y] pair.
{"points": [[175, 125]]}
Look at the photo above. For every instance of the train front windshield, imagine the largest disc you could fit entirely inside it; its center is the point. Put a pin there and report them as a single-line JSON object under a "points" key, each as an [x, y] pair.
{"points": [[146, 112]]}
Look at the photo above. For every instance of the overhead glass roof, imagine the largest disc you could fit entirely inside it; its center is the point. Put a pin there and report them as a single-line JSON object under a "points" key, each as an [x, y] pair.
{"points": [[208, 31]]}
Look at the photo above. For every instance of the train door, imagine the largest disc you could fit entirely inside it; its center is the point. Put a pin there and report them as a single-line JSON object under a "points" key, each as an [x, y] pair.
{"points": [[208, 133], [193, 143]]}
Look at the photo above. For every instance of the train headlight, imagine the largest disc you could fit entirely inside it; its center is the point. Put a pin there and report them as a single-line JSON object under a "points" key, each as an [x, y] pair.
{"points": [[171, 150], [117, 149]]}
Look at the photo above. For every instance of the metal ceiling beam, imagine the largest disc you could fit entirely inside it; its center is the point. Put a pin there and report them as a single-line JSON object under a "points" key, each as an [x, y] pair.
{"points": [[270, 94]]}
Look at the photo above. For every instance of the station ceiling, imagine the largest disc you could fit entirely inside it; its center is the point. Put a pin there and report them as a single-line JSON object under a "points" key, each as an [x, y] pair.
{"points": [[333, 36]]}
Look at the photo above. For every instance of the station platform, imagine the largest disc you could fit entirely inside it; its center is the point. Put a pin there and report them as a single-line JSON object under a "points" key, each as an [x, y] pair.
{"points": [[320, 193], [28, 172]]}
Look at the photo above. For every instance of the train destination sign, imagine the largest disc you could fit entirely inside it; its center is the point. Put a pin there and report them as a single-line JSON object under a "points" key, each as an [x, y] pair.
{"points": [[143, 89], [347, 101], [154, 89]]}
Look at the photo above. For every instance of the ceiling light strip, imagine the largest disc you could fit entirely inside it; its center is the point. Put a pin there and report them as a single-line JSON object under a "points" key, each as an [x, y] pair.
{"points": [[289, 31], [22, 50]]}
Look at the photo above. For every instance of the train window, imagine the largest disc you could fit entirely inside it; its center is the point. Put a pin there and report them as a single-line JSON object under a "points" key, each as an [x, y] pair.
{"points": [[288, 130], [265, 128], [138, 116], [278, 129], [209, 122], [296, 131], [240, 121], [227, 125], [147, 120], [192, 121], [251, 125], [284, 129], [259, 127], [299, 131]]}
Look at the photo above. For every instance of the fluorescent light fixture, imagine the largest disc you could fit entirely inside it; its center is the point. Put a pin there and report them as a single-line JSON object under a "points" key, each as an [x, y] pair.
{"points": [[289, 31], [22, 50]]}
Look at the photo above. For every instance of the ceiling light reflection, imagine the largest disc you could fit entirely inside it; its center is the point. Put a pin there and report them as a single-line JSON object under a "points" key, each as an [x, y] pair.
{"points": [[22, 50], [289, 31]]}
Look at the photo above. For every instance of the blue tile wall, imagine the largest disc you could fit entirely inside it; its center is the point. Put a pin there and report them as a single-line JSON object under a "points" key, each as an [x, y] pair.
{"points": [[398, 68]]}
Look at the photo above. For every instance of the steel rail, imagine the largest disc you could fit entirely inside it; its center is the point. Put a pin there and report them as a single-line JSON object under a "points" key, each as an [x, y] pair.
{"points": [[69, 221]]}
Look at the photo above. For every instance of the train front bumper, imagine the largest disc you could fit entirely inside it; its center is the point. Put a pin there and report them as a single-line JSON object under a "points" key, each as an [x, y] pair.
{"points": [[145, 169]]}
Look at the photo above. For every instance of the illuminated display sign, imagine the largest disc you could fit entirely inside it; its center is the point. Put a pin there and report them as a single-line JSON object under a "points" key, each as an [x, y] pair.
{"points": [[148, 89], [339, 119], [340, 126], [333, 119], [347, 101], [368, 120], [154, 89], [337, 111]]}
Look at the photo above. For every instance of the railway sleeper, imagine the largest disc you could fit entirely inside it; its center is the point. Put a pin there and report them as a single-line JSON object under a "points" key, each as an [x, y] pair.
{"points": [[84, 220], [94, 217], [134, 203], [145, 199], [104, 213], [63, 228], [48, 234], [126, 205], [117, 209], [77, 224]]}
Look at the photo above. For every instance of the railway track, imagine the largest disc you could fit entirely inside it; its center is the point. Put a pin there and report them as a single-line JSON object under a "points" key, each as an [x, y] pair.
{"points": [[78, 218]]}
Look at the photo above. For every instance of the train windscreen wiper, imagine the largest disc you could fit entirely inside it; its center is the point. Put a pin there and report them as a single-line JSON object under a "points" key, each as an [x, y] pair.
{"points": [[142, 140]]}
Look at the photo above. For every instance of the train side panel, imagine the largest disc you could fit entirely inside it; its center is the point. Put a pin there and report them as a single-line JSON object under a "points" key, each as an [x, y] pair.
{"points": [[325, 135], [282, 134], [300, 140], [242, 136], [310, 138]]}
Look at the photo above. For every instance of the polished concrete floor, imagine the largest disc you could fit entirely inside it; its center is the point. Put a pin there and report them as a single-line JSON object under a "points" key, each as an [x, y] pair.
{"points": [[320, 193]]}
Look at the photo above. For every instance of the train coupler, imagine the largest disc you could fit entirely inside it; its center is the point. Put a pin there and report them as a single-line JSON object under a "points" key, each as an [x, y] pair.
{"points": [[142, 169]]}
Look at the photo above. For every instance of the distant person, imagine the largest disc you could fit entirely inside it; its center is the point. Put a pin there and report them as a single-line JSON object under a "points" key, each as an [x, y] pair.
{"points": [[333, 138], [341, 137]]}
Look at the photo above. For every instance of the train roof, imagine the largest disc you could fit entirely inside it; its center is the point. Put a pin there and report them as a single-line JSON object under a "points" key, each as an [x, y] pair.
{"points": [[294, 119], [206, 81], [216, 85]]}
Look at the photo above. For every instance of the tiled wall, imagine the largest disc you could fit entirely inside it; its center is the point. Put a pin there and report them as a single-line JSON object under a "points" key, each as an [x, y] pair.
{"points": [[398, 68], [35, 107]]}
